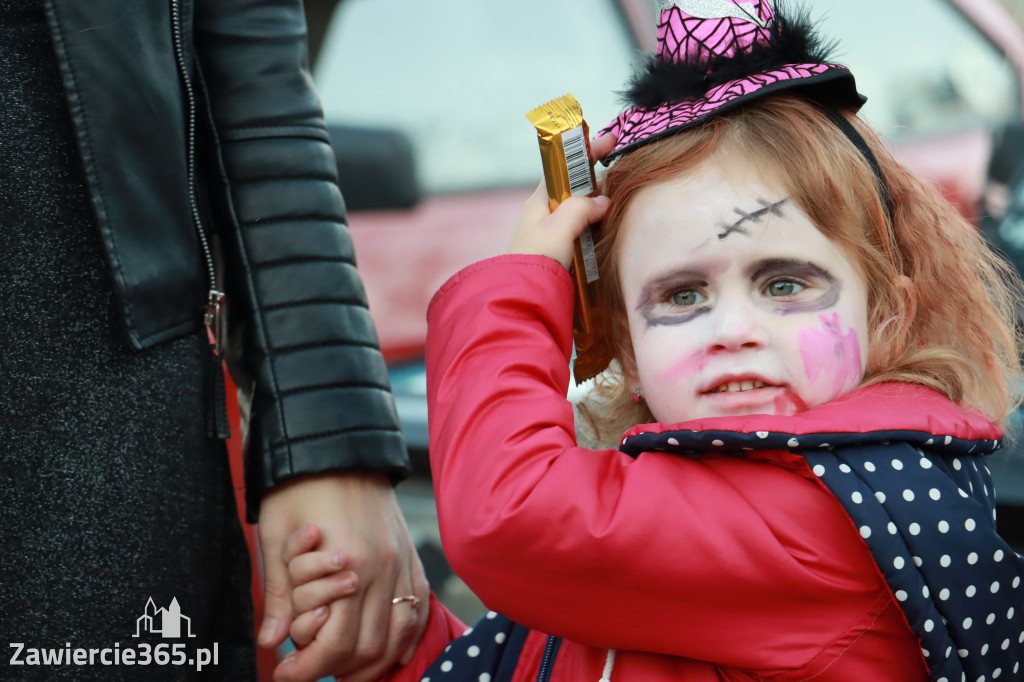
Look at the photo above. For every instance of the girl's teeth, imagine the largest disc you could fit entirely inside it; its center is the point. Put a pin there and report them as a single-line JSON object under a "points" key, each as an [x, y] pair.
{"points": [[738, 386]]}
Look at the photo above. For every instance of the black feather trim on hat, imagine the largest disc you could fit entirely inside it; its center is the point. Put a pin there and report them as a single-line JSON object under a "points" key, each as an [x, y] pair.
{"points": [[792, 40]]}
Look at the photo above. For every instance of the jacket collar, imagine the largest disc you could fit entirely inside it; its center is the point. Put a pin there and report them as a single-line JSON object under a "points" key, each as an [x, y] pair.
{"points": [[870, 413]]}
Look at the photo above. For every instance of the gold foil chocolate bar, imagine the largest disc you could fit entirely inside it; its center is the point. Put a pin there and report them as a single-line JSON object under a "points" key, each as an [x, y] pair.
{"points": [[565, 152]]}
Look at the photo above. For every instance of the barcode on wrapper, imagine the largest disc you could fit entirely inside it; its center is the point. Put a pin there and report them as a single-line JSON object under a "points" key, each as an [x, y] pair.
{"points": [[574, 144], [577, 163], [589, 255]]}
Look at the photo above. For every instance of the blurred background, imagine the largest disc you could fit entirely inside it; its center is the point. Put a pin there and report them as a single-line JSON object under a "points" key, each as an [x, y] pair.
{"points": [[426, 102]]}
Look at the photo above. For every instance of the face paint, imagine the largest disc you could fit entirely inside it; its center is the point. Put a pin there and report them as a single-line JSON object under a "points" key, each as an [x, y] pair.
{"points": [[826, 296], [830, 356], [766, 324], [789, 403], [755, 217], [658, 304], [667, 320], [689, 366]]}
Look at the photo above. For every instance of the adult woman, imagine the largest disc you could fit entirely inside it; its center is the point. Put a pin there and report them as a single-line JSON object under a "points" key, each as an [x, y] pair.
{"points": [[157, 153]]}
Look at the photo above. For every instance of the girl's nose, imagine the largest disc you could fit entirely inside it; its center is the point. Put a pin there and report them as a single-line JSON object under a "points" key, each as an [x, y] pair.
{"points": [[735, 326]]}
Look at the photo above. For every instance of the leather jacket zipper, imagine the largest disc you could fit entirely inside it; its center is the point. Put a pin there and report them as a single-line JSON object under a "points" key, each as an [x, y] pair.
{"points": [[217, 419]]}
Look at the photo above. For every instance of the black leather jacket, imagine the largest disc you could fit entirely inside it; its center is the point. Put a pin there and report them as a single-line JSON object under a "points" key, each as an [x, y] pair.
{"points": [[199, 133]]}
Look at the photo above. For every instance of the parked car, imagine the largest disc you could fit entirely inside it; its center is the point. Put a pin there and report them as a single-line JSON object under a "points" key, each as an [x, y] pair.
{"points": [[427, 102]]}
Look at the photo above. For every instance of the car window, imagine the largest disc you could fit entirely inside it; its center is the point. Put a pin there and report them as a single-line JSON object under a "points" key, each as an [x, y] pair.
{"points": [[924, 68], [458, 76]]}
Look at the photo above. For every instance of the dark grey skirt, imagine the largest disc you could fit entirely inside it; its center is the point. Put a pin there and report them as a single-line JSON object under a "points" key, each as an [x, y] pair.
{"points": [[110, 492]]}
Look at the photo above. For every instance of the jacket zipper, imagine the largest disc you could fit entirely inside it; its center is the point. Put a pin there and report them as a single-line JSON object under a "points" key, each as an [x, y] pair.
{"points": [[547, 661], [217, 422]]}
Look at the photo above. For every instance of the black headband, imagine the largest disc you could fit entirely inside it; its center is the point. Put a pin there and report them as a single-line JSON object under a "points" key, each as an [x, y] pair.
{"points": [[858, 141]]}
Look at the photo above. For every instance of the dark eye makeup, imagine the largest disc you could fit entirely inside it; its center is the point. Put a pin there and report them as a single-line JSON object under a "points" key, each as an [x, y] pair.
{"points": [[781, 271], [680, 297], [673, 300]]}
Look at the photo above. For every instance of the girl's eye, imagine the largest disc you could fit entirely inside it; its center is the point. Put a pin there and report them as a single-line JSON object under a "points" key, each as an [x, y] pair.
{"points": [[783, 288], [687, 298]]}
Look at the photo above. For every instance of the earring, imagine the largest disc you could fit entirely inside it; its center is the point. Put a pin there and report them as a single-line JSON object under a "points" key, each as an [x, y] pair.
{"points": [[635, 395]]}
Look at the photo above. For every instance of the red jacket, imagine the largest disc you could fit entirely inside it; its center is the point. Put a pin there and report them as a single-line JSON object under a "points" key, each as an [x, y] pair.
{"points": [[711, 568]]}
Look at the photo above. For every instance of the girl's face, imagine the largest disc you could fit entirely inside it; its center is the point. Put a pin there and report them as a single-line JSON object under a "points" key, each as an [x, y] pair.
{"points": [[736, 303]]}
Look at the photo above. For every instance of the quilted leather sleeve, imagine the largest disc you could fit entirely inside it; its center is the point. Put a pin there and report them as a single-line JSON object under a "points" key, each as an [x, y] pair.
{"points": [[321, 399]]}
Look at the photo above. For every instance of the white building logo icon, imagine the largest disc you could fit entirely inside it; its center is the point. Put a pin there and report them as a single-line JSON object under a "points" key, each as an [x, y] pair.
{"points": [[165, 622]]}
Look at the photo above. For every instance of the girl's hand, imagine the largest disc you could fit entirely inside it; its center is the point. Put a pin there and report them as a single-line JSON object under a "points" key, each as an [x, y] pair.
{"points": [[549, 233], [317, 579]]}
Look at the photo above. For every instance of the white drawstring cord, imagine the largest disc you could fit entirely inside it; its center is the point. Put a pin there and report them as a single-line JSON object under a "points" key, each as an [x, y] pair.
{"points": [[609, 663]]}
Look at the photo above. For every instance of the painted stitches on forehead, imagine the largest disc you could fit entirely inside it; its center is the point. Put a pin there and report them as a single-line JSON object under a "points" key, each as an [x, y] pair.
{"points": [[767, 208]]}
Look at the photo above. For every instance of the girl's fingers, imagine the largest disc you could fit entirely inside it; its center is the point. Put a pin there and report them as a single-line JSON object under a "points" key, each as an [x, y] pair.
{"points": [[302, 540], [549, 233], [553, 234], [568, 220], [312, 565], [322, 592], [602, 146], [306, 625], [537, 207], [575, 213]]}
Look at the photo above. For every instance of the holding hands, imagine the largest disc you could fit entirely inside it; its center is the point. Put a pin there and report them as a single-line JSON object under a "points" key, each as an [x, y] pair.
{"points": [[318, 579], [364, 546]]}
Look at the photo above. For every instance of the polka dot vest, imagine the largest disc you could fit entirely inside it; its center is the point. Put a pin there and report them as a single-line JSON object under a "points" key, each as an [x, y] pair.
{"points": [[487, 652], [925, 507]]}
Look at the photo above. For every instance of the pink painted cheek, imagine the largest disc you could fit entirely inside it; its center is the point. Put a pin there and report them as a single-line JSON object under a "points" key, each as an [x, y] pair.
{"points": [[789, 403], [688, 366], [831, 356]]}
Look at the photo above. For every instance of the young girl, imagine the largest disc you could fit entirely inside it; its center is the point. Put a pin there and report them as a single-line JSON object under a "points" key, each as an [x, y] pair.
{"points": [[812, 351]]}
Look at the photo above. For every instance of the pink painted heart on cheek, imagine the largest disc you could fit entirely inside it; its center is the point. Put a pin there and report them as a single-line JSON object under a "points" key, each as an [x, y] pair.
{"points": [[830, 356]]}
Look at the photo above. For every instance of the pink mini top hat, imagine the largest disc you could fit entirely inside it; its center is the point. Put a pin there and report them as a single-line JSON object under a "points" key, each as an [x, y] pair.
{"points": [[714, 55]]}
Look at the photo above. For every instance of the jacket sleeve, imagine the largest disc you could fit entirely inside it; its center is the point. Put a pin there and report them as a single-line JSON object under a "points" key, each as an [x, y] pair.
{"points": [[321, 399], [716, 558]]}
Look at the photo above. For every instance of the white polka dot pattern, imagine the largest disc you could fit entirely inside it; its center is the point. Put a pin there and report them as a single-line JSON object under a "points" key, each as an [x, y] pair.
{"points": [[487, 652], [951, 597]]}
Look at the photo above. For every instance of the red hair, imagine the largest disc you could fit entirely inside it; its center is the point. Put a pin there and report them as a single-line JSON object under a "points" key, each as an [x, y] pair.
{"points": [[953, 330]]}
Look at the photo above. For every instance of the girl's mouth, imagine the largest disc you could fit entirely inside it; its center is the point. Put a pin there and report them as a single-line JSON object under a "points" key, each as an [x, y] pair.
{"points": [[739, 386]]}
